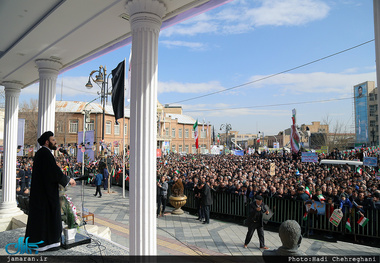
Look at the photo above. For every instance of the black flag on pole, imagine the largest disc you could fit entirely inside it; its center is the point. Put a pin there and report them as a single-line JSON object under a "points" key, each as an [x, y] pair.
{"points": [[118, 79]]}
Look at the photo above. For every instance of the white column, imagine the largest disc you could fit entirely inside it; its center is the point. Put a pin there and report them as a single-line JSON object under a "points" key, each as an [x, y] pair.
{"points": [[48, 70], [145, 18], [8, 205]]}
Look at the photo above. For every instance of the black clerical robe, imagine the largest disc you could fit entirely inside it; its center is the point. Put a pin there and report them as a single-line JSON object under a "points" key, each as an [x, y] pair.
{"points": [[44, 219]]}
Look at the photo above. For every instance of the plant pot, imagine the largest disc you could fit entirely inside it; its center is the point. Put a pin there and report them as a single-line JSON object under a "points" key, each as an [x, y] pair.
{"points": [[177, 202], [69, 233]]}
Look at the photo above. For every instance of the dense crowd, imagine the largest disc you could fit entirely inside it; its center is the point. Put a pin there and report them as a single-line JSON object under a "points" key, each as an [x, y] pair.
{"points": [[251, 175]]}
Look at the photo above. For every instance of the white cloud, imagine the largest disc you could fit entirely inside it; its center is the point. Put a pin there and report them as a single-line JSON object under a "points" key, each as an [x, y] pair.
{"points": [[316, 82], [288, 13], [192, 45], [244, 17], [189, 87]]}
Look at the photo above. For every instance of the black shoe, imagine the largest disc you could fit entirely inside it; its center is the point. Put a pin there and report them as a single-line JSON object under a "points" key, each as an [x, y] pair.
{"points": [[94, 195], [198, 218], [206, 222], [100, 196]]}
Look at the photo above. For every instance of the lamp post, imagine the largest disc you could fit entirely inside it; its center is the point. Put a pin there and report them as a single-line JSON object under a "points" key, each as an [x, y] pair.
{"points": [[227, 128], [101, 78]]}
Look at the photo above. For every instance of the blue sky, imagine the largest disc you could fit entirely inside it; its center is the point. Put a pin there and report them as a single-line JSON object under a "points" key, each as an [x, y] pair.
{"points": [[248, 40]]}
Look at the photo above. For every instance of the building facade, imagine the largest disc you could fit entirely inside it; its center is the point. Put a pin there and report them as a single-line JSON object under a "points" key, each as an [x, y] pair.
{"points": [[174, 130]]}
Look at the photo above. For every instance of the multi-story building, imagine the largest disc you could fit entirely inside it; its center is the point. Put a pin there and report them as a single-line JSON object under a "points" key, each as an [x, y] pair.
{"points": [[174, 130]]}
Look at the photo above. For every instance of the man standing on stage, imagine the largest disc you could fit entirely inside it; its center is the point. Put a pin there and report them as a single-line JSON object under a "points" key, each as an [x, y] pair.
{"points": [[255, 221], [44, 220]]}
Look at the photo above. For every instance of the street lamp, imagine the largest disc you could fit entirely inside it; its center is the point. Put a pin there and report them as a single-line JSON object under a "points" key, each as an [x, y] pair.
{"points": [[100, 78], [227, 128]]}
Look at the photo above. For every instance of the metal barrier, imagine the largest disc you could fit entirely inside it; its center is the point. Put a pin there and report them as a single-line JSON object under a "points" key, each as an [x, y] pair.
{"points": [[284, 209]]}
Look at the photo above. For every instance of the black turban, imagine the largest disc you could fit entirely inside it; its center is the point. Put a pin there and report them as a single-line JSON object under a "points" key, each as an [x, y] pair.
{"points": [[44, 137]]}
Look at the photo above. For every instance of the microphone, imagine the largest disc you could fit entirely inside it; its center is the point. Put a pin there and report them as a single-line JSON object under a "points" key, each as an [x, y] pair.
{"points": [[81, 178], [62, 150]]}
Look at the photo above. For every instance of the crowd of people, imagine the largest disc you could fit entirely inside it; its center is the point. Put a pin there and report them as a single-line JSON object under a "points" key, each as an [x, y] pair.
{"points": [[290, 178]]}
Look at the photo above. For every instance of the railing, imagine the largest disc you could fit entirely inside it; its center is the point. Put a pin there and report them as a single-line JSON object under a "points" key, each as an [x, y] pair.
{"points": [[284, 209]]}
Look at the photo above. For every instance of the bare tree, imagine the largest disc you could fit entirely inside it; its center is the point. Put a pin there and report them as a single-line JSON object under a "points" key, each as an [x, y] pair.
{"points": [[29, 112]]}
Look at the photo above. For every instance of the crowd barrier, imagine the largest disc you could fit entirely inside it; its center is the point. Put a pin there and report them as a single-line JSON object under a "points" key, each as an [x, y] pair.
{"points": [[284, 209]]}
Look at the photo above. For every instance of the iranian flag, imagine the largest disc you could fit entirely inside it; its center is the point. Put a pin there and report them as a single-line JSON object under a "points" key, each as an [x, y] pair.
{"points": [[195, 128], [348, 225], [359, 170], [363, 221], [218, 138], [307, 191], [304, 216], [321, 198]]}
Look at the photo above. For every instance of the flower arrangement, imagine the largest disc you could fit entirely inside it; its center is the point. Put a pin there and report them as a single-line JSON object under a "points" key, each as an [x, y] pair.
{"points": [[71, 217]]}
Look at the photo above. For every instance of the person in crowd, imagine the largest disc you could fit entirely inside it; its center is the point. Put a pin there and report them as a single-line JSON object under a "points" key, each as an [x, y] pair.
{"points": [[162, 192], [44, 225], [206, 200], [99, 181], [255, 221], [301, 195]]}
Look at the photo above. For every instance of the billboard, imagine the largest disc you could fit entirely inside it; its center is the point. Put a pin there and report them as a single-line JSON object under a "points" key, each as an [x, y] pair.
{"points": [[361, 115]]}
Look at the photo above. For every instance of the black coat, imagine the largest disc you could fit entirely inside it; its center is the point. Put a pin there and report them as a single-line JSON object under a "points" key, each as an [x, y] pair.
{"points": [[255, 218], [206, 195], [44, 220]]}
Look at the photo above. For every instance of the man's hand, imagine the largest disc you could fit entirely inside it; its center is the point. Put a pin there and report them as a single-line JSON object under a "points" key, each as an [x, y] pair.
{"points": [[258, 208], [267, 212], [72, 182]]}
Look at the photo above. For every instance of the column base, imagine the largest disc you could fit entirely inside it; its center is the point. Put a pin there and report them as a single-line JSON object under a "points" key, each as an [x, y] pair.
{"points": [[9, 210]]}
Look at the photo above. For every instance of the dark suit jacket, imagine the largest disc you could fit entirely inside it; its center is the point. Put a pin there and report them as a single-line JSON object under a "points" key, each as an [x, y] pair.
{"points": [[206, 195], [255, 218]]}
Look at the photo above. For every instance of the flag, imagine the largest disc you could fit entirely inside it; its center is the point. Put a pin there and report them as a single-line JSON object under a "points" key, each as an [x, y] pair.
{"points": [[294, 136], [348, 225], [363, 221], [307, 191], [258, 140], [203, 125], [304, 216], [195, 128], [359, 170], [218, 138], [118, 78], [321, 197]]}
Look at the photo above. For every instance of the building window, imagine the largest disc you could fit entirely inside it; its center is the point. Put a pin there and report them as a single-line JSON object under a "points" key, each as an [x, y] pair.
{"points": [[180, 148], [180, 133], [125, 129], [90, 126], [73, 126], [203, 148], [192, 134], [372, 110], [193, 149], [186, 133], [167, 131], [173, 132], [372, 123], [187, 148], [117, 129], [173, 148], [108, 127], [60, 126]]}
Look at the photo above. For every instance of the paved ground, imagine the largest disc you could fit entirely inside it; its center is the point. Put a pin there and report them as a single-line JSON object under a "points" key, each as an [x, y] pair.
{"points": [[184, 235]]}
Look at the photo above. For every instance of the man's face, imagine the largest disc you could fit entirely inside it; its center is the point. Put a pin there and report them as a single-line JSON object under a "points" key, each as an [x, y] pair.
{"points": [[360, 91], [52, 143]]}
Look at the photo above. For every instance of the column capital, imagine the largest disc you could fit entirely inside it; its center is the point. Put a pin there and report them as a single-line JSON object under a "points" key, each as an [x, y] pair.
{"points": [[48, 64], [154, 7], [12, 86]]}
